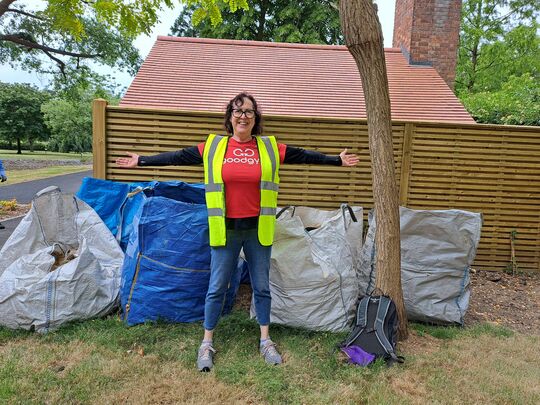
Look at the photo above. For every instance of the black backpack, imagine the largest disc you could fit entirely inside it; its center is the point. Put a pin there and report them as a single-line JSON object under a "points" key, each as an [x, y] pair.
{"points": [[375, 328]]}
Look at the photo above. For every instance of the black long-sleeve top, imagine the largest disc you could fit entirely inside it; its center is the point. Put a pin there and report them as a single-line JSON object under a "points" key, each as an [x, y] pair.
{"points": [[191, 156]]}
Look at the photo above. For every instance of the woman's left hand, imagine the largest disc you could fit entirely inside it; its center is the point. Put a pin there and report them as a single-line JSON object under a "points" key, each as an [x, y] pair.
{"points": [[348, 159]]}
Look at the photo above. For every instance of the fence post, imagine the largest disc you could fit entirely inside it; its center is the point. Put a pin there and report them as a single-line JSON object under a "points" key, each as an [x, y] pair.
{"points": [[99, 136], [405, 164]]}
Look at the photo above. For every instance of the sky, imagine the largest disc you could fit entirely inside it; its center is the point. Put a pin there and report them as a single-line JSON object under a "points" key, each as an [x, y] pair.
{"points": [[144, 44]]}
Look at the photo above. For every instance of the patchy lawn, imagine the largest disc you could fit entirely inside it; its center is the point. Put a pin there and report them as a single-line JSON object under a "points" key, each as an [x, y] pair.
{"points": [[103, 361]]}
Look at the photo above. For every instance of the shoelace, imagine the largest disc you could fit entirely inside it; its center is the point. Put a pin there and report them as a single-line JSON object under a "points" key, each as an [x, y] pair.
{"points": [[270, 348], [206, 352]]}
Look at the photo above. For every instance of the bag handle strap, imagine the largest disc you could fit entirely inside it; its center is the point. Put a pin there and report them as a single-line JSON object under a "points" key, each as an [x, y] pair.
{"points": [[346, 207], [281, 211]]}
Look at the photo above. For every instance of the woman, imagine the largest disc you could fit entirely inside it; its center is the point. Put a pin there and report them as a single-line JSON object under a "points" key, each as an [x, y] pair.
{"points": [[246, 165]]}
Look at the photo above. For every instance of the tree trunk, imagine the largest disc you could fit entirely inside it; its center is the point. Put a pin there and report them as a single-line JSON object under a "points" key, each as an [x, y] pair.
{"points": [[19, 151], [363, 37], [262, 20]]}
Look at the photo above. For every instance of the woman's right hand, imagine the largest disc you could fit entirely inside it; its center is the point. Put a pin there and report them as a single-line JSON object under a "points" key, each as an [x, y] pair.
{"points": [[131, 161]]}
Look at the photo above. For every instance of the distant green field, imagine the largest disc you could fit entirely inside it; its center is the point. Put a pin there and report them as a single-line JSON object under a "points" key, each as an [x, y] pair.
{"points": [[43, 155]]}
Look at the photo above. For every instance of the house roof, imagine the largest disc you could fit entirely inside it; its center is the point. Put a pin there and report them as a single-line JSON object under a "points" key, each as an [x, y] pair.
{"points": [[201, 74]]}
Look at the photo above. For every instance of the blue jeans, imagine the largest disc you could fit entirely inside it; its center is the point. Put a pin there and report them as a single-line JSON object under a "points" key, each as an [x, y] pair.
{"points": [[224, 260]]}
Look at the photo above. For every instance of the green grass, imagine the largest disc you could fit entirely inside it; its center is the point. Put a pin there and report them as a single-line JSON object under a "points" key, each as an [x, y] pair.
{"points": [[43, 155], [103, 361], [19, 176], [453, 332]]}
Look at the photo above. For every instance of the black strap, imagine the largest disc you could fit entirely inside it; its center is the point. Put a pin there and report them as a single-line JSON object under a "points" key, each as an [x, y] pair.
{"points": [[281, 211], [351, 212]]}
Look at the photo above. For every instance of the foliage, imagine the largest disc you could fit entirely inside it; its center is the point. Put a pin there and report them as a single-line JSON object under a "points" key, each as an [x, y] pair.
{"points": [[498, 39], [309, 21], [516, 103], [70, 33], [20, 114], [59, 39], [8, 205], [498, 70], [69, 118]]}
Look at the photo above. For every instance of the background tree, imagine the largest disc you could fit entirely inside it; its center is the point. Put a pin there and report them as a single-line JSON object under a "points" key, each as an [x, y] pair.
{"points": [[69, 117], [516, 103], [499, 52], [20, 114], [309, 21], [62, 37]]}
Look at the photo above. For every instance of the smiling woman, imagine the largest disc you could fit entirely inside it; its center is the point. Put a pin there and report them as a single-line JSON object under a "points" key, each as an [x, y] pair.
{"points": [[241, 171]]}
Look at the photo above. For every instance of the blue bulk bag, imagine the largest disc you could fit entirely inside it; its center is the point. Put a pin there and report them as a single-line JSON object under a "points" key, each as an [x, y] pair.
{"points": [[163, 229], [167, 265], [106, 198], [110, 200]]}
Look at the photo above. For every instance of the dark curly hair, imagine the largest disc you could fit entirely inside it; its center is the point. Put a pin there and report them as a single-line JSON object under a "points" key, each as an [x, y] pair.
{"points": [[237, 101]]}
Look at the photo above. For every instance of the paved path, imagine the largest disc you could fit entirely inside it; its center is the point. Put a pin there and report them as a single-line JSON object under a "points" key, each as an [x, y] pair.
{"points": [[24, 192]]}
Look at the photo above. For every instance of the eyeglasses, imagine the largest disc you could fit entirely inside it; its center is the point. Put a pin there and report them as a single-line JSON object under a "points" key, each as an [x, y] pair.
{"points": [[237, 113]]}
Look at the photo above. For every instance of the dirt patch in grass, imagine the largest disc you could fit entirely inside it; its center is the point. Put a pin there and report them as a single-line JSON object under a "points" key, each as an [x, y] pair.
{"points": [[508, 300], [504, 299], [419, 344]]}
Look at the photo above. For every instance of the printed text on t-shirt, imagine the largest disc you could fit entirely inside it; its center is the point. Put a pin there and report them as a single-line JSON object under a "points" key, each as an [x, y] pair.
{"points": [[242, 156]]}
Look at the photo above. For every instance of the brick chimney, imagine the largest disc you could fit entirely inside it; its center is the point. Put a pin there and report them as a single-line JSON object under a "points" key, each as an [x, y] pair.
{"points": [[427, 31]]}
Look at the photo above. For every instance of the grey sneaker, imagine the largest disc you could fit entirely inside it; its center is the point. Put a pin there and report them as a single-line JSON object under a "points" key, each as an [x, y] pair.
{"points": [[270, 353], [205, 358]]}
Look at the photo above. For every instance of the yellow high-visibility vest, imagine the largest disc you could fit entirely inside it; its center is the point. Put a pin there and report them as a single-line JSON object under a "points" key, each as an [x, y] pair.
{"points": [[213, 155]]}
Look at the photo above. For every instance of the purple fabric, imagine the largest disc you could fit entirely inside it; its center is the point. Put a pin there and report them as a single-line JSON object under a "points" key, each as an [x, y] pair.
{"points": [[358, 356]]}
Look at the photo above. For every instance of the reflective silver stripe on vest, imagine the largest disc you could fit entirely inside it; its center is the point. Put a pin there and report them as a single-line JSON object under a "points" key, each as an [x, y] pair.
{"points": [[211, 155], [268, 185], [215, 212], [268, 144], [268, 211], [213, 187]]}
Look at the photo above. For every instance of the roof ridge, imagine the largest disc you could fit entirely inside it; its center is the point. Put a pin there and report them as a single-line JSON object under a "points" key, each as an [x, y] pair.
{"points": [[245, 42]]}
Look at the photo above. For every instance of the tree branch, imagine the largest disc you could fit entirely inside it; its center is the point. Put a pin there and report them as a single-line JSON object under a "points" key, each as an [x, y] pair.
{"points": [[34, 45], [13, 10], [4, 5], [61, 64]]}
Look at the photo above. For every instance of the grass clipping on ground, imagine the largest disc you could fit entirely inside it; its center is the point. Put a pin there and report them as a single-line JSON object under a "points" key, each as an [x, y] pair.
{"points": [[103, 361]]}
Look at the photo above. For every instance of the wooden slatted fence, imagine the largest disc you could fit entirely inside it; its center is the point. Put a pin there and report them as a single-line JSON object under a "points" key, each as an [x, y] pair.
{"points": [[490, 169]]}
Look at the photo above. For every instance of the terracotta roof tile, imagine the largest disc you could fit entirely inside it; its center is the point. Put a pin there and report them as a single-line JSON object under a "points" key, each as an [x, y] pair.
{"points": [[287, 79]]}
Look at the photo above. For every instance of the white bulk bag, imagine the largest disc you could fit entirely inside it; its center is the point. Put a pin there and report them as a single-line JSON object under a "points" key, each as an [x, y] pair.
{"points": [[313, 267], [60, 264]]}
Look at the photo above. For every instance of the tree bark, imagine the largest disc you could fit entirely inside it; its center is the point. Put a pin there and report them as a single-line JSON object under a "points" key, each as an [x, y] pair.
{"points": [[363, 37], [19, 150]]}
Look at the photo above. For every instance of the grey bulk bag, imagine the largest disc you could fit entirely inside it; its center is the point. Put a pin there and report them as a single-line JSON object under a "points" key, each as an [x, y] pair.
{"points": [[313, 267], [437, 249], [60, 264]]}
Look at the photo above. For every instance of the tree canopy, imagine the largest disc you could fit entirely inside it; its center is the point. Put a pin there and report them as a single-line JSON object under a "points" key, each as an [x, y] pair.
{"points": [[63, 36], [20, 114], [309, 21], [499, 54]]}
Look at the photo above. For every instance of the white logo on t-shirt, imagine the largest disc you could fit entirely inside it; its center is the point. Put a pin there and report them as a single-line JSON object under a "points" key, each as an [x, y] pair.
{"points": [[242, 156]]}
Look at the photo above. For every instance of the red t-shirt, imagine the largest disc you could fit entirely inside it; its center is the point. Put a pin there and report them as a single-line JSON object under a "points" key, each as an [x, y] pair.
{"points": [[241, 175]]}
